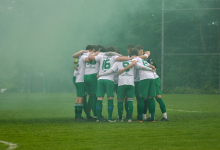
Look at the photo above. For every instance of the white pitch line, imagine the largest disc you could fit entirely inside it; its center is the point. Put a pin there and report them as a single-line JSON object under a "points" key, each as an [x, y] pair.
{"points": [[182, 110], [175, 110], [11, 145]]}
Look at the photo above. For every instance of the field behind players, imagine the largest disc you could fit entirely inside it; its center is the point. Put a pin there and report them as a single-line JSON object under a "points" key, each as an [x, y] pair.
{"points": [[46, 121]]}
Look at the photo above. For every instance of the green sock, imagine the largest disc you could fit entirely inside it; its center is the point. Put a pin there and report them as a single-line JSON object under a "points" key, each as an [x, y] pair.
{"points": [[89, 104], [152, 108], [110, 108], [120, 109], [137, 104], [79, 108], [130, 108], [145, 107], [93, 104], [85, 108], [162, 105], [140, 108], [126, 107], [76, 111], [98, 109]]}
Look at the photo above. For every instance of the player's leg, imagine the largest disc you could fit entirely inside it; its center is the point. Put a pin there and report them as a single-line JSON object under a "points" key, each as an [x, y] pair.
{"points": [[136, 86], [80, 95], [76, 106], [74, 80], [76, 103], [100, 94], [92, 91], [85, 104], [145, 108], [110, 94], [162, 107], [126, 106], [151, 95], [143, 92], [130, 95], [121, 95]]}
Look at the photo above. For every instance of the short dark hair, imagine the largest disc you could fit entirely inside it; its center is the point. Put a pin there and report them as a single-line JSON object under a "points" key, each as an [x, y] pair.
{"points": [[118, 51], [139, 47], [133, 52], [110, 49], [95, 47], [132, 49], [89, 47], [103, 50], [130, 46], [100, 46], [149, 59]]}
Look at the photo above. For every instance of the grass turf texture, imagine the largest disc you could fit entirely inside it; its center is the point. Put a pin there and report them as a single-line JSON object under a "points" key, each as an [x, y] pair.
{"points": [[46, 121]]}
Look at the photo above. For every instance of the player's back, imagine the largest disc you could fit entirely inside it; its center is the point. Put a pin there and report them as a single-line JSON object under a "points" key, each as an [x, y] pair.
{"points": [[143, 74], [106, 62], [92, 67], [81, 68], [127, 77]]}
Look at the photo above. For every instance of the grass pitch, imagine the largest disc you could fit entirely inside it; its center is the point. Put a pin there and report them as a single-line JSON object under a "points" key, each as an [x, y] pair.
{"points": [[46, 121]]}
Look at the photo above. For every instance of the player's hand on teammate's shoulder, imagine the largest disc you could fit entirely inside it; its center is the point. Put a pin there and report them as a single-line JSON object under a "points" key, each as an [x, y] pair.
{"points": [[153, 67], [121, 71], [85, 51], [96, 53], [98, 76], [133, 57]]}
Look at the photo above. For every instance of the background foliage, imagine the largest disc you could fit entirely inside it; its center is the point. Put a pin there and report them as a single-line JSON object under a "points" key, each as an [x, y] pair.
{"points": [[38, 39]]}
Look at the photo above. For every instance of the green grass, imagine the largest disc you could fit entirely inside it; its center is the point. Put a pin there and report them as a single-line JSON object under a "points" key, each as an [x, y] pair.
{"points": [[46, 121]]}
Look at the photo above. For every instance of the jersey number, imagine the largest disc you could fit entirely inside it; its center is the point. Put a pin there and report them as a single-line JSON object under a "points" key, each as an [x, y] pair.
{"points": [[106, 64], [125, 64], [145, 63]]}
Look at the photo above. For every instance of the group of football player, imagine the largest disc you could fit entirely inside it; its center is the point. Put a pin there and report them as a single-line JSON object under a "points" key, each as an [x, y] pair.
{"points": [[100, 71]]}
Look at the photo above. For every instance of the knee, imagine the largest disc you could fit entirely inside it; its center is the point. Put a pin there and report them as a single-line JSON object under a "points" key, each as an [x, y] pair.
{"points": [[158, 96], [100, 98], [120, 100]]}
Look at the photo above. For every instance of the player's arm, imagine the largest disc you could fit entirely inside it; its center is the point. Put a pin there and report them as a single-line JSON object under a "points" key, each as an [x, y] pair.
{"points": [[76, 55], [112, 54], [151, 66], [145, 56], [110, 71], [122, 58], [75, 67], [96, 54], [132, 64], [91, 57], [87, 60], [76, 61], [142, 67]]}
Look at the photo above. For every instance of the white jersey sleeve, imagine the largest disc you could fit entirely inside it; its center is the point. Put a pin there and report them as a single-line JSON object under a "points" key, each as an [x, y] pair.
{"points": [[143, 74], [115, 67], [92, 67], [146, 55], [155, 75], [116, 74], [81, 68]]}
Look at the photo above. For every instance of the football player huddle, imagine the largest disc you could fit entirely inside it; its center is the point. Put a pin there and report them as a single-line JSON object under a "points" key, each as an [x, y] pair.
{"points": [[100, 71]]}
